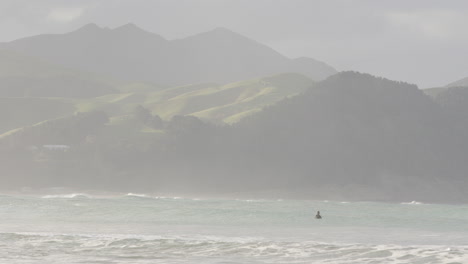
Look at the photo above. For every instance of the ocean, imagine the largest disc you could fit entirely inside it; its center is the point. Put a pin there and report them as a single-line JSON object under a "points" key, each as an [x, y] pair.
{"points": [[139, 228]]}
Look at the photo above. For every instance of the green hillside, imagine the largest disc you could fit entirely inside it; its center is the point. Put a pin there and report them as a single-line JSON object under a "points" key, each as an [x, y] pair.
{"points": [[217, 103], [225, 104], [254, 95]]}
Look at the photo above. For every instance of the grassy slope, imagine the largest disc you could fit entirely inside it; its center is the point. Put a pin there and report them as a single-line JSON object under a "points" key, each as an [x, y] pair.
{"points": [[255, 95], [217, 103]]}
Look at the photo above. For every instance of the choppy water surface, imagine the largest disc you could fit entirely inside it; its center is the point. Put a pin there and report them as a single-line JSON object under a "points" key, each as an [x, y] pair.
{"points": [[133, 228]]}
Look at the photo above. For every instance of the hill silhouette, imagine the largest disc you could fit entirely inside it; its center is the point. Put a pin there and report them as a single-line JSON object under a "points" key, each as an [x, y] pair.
{"points": [[27, 76], [461, 82], [131, 53]]}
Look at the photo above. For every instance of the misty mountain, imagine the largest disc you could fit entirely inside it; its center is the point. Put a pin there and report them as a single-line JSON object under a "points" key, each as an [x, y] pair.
{"points": [[131, 53], [26, 76], [461, 82], [434, 92]]}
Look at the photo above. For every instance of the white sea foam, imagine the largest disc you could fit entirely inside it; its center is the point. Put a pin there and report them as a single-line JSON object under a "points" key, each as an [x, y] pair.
{"points": [[139, 195], [252, 200], [147, 196], [413, 203], [202, 249], [67, 196]]}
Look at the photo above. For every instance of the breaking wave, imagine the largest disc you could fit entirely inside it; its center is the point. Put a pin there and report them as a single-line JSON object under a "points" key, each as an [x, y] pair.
{"points": [[67, 196], [213, 249], [413, 202]]}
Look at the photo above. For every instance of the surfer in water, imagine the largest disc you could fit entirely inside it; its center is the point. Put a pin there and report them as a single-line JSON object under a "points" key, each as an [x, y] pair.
{"points": [[318, 216]]}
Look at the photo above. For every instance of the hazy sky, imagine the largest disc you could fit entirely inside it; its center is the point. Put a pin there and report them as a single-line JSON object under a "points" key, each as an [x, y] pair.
{"points": [[418, 41]]}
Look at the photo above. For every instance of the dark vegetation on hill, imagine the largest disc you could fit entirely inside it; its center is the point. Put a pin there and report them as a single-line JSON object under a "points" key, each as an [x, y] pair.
{"points": [[370, 136], [352, 136]]}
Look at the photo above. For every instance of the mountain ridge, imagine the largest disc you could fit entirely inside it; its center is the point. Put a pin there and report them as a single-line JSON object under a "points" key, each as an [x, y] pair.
{"points": [[129, 52], [461, 82]]}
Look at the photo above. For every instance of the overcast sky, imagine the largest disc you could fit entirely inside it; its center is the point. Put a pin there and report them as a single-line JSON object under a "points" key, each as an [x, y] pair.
{"points": [[418, 41]]}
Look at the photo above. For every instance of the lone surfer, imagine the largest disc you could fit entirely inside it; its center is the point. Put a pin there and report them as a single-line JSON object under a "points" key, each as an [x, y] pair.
{"points": [[318, 216]]}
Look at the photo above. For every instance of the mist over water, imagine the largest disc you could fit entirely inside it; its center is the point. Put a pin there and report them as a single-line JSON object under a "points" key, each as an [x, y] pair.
{"points": [[138, 228]]}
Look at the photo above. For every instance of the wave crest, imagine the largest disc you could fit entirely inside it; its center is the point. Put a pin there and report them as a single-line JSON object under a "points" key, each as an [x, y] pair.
{"points": [[67, 196], [413, 202]]}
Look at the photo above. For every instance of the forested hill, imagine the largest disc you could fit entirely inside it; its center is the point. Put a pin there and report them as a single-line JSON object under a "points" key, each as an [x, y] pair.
{"points": [[133, 54], [352, 136], [355, 130]]}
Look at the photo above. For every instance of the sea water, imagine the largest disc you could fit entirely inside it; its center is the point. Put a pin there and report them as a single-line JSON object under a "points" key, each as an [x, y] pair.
{"points": [[137, 228]]}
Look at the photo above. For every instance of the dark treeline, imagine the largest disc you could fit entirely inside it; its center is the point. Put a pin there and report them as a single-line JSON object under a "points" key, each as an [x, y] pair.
{"points": [[352, 136]]}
